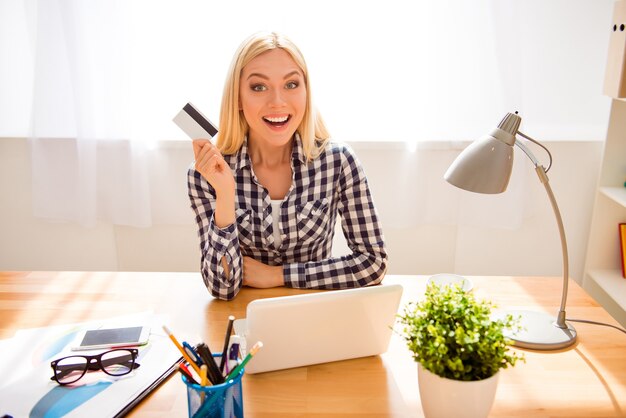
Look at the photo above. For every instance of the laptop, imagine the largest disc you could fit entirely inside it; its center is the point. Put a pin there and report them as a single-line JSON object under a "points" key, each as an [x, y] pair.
{"points": [[318, 328]]}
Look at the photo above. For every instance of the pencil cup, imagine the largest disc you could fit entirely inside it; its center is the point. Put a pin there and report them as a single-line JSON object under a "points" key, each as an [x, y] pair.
{"points": [[217, 401]]}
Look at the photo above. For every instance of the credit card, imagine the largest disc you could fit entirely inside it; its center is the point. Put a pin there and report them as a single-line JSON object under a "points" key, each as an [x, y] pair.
{"points": [[194, 123]]}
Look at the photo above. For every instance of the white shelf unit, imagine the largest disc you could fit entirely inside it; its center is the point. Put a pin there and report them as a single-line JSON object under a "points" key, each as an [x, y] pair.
{"points": [[618, 194], [603, 272]]}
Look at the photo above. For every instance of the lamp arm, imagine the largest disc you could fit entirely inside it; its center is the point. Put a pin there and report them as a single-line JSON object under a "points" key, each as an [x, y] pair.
{"points": [[560, 319], [538, 143], [543, 177], [527, 151]]}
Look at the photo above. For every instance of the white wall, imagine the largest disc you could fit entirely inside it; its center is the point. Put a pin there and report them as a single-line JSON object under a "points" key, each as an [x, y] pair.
{"points": [[436, 229]]}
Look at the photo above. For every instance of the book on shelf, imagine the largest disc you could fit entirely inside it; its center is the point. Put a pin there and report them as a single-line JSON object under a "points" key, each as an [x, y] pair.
{"points": [[622, 245]]}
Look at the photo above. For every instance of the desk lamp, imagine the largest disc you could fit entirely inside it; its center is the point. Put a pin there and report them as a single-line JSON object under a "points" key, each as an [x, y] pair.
{"points": [[485, 167]]}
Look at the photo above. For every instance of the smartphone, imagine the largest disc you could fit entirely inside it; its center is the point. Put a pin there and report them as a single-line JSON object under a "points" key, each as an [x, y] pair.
{"points": [[112, 337]]}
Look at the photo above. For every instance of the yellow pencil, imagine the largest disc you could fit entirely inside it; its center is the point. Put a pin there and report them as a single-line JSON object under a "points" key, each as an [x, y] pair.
{"points": [[204, 380], [182, 350]]}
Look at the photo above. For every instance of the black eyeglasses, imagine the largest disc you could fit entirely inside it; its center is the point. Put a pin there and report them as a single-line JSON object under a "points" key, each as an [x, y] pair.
{"points": [[116, 362]]}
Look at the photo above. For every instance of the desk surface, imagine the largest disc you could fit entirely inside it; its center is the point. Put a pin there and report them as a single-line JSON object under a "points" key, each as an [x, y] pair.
{"points": [[588, 380]]}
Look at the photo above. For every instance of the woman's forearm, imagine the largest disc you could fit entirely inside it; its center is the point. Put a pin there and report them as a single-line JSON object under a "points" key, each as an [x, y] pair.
{"points": [[225, 209]]}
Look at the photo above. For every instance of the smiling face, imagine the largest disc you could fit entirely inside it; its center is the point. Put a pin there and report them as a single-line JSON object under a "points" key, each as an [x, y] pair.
{"points": [[272, 96]]}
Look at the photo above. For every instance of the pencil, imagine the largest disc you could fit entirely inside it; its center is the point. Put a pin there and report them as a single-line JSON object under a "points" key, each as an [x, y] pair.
{"points": [[251, 353], [181, 349], [204, 381], [229, 330]]}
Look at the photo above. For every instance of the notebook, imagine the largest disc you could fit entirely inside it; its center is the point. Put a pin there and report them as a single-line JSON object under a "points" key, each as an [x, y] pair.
{"points": [[321, 327]]}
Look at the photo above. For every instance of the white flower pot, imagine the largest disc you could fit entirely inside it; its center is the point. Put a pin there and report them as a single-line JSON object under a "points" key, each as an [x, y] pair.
{"points": [[446, 398]]}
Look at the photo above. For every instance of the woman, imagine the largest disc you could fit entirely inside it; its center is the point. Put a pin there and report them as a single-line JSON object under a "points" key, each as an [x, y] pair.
{"points": [[267, 195]]}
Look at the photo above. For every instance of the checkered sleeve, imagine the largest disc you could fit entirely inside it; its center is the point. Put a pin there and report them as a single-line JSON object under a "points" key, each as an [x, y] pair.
{"points": [[215, 243], [368, 262]]}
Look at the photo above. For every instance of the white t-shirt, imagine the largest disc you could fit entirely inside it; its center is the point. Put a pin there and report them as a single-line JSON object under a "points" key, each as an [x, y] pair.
{"points": [[275, 217]]}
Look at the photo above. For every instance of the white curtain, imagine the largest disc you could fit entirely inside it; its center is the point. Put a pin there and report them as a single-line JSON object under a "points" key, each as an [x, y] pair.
{"points": [[86, 166], [95, 83]]}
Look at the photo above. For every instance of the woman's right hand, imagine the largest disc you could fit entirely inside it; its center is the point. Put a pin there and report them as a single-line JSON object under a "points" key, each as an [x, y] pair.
{"points": [[210, 163]]}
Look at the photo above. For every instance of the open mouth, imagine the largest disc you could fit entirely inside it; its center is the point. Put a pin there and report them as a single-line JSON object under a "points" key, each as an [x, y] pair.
{"points": [[277, 121]]}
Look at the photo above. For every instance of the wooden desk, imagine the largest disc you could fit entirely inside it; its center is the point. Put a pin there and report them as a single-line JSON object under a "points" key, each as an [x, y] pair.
{"points": [[588, 380]]}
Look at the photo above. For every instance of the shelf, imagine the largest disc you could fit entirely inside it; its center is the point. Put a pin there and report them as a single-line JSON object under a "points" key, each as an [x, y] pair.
{"points": [[608, 288], [618, 194], [603, 274], [612, 282]]}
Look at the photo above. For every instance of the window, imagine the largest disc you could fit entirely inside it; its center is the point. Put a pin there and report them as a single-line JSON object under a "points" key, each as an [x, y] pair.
{"points": [[397, 70]]}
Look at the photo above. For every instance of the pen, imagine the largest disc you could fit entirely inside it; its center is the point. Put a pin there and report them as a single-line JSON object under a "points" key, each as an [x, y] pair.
{"points": [[213, 370], [251, 353], [192, 353], [185, 372], [229, 329], [181, 349]]}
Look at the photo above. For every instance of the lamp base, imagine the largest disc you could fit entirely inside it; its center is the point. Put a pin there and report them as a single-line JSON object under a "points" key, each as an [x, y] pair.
{"points": [[540, 332]]}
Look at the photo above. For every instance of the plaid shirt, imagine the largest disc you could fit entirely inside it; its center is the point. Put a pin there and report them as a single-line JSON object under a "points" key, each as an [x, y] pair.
{"points": [[332, 185]]}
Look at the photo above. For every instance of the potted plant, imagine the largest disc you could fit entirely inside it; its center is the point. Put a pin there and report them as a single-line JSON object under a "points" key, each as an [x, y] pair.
{"points": [[459, 349]]}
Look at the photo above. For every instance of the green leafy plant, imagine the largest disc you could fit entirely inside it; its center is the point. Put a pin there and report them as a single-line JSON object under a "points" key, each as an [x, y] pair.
{"points": [[452, 334]]}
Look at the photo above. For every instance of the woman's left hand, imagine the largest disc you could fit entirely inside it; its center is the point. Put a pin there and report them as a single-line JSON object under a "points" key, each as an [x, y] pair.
{"points": [[257, 274]]}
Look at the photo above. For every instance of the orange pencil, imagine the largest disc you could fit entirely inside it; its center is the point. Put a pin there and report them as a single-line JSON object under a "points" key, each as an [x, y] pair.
{"points": [[182, 350]]}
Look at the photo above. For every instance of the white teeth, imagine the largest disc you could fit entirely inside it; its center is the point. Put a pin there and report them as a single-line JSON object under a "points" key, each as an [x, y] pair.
{"points": [[277, 120]]}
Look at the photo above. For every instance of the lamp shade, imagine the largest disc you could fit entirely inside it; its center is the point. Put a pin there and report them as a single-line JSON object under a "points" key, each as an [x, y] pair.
{"points": [[485, 165]]}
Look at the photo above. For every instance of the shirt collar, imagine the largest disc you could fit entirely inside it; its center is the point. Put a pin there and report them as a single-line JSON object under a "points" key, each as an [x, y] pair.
{"points": [[243, 157], [298, 150]]}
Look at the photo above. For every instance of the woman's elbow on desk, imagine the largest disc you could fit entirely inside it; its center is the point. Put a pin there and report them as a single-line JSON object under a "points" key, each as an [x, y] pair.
{"points": [[221, 289], [380, 275], [371, 270], [223, 292]]}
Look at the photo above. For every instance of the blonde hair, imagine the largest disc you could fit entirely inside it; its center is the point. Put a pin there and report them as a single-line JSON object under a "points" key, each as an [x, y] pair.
{"points": [[233, 126]]}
